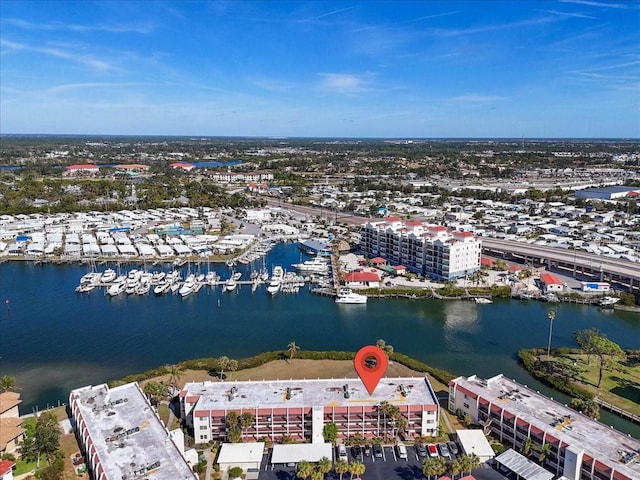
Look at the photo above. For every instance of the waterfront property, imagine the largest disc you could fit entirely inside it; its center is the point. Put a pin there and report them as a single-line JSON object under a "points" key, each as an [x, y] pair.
{"points": [[300, 409], [580, 448], [429, 250], [121, 436], [11, 431]]}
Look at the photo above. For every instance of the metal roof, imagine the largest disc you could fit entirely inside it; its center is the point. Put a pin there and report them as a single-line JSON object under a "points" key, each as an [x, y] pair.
{"points": [[522, 466]]}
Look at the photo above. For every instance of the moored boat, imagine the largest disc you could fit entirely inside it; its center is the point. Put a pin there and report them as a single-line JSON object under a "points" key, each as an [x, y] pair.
{"points": [[348, 296], [276, 280]]}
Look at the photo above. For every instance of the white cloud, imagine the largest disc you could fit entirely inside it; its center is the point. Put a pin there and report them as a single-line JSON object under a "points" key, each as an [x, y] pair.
{"points": [[474, 98], [343, 83], [597, 4], [115, 28]]}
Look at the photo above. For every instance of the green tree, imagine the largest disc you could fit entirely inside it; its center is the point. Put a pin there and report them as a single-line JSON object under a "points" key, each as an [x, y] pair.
{"points": [[175, 373], [455, 467], [356, 469], [8, 384], [526, 447], [388, 349], [246, 420], [235, 472], [341, 467], [330, 432], [606, 349], [585, 338], [434, 467], [45, 439], [588, 407], [223, 364], [324, 466], [545, 452], [292, 349], [316, 474], [304, 469], [155, 391]]}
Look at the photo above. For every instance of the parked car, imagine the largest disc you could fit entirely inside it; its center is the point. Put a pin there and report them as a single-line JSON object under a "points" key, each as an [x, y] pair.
{"points": [[342, 453], [402, 450], [433, 450], [377, 451], [453, 447], [367, 450], [356, 452], [444, 450], [421, 448]]}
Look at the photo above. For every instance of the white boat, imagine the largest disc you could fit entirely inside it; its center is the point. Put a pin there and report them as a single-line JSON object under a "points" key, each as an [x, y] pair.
{"points": [[91, 277], [116, 289], [608, 301], [230, 285], [276, 280], [483, 300], [158, 277], [264, 275], [550, 297], [109, 275], [315, 265], [143, 288], [162, 288], [348, 296], [236, 276], [189, 286]]}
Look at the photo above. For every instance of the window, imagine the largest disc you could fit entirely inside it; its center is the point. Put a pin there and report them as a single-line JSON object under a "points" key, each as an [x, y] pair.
{"points": [[203, 427], [465, 405], [203, 437]]}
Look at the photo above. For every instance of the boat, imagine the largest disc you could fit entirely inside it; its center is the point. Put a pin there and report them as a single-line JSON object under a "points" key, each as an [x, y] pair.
{"points": [[608, 301], [230, 263], [525, 295], [108, 276], [348, 296], [189, 286], [162, 288], [116, 289], [315, 265], [230, 285], [483, 300], [143, 288], [550, 297], [276, 280], [236, 276]]}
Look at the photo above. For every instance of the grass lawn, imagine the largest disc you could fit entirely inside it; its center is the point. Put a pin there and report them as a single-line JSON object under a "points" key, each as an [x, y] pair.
{"points": [[24, 467], [620, 384]]}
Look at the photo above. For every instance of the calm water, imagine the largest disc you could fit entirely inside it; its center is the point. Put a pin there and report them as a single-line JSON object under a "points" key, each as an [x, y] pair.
{"points": [[53, 340]]}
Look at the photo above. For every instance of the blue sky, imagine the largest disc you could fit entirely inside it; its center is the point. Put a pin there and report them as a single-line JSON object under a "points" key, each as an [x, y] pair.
{"points": [[332, 68]]}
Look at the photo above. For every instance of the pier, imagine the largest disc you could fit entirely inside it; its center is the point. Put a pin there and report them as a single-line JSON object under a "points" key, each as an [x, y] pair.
{"points": [[617, 410]]}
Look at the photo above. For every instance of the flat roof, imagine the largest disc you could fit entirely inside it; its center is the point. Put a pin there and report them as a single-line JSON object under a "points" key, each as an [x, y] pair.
{"points": [[296, 452], [128, 436], [305, 393], [522, 466], [474, 441], [596, 439], [241, 452]]}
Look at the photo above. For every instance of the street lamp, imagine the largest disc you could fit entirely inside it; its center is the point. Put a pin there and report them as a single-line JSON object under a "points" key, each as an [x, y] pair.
{"points": [[551, 316]]}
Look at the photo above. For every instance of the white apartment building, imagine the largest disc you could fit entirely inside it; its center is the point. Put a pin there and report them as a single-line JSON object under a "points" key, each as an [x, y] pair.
{"points": [[581, 448], [430, 250]]}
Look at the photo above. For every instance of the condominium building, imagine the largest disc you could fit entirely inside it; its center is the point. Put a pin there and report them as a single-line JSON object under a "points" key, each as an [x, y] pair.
{"points": [[300, 409], [122, 438], [581, 448], [430, 250]]}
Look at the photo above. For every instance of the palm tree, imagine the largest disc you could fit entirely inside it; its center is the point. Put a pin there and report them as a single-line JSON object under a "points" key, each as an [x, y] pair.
{"points": [[341, 467], [434, 467], [233, 366], [324, 466], [545, 452], [526, 447], [223, 364], [551, 316], [292, 348], [175, 372], [316, 474], [8, 384], [304, 469], [455, 467], [382, 345], [356, 469], [474, 462]]}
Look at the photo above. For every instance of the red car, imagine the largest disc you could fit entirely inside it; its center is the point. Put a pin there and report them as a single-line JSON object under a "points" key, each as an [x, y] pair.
{"points": [[433, 450]]}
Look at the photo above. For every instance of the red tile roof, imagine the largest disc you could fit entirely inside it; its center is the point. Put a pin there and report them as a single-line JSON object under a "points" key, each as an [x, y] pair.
{"points": [[550, 279], [362, 277], [87, 166], [378, 260], [5, 466]]}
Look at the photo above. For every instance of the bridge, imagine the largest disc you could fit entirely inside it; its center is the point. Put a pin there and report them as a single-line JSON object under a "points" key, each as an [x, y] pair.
{"points": [[574, 262]]}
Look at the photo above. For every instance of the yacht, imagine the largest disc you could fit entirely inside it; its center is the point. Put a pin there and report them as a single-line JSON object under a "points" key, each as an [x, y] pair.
{"points": [[483, 300], [116, 289], [348, 296], [230, 285], [162, 287], [608, 301], [276, 280], [109, 275], [550, 297], [143, 288], [189, 286], [315, 265]]}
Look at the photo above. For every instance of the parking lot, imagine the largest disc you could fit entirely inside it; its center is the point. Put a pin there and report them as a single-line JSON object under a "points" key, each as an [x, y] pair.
{"points": [[387, 467]]}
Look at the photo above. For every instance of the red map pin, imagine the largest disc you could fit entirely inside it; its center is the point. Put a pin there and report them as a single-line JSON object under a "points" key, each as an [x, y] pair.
{"points": [[370, 362]]}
